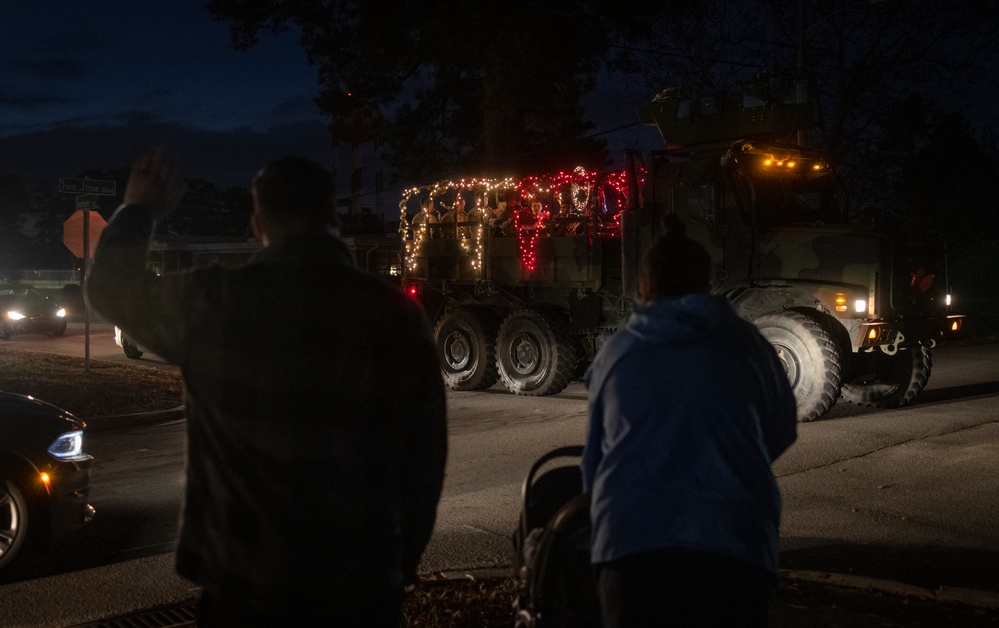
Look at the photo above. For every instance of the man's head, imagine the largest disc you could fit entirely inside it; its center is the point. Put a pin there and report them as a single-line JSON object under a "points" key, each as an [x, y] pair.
{"points": [[292, 194], [675, 266]]}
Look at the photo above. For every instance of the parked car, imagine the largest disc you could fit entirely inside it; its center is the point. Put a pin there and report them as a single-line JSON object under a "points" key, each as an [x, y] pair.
{"points": [[128, 346], [44, 475], [25, 310]]}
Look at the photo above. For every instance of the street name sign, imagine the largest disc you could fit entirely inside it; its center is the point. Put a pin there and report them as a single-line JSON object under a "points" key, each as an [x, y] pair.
{"points": [[87, 201], [87, 186]]}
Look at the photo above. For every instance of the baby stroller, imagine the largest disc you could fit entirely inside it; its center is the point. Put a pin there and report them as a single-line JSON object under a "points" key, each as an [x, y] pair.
{"points": [[552, 547]]}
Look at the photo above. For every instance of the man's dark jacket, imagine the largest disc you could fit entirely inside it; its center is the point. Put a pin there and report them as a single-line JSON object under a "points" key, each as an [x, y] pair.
{"points": [[316, 413]]}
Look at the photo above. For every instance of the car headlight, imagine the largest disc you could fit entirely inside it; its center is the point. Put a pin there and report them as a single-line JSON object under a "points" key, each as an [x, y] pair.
{"points": [[68, 446], [14, 315], [61, 312]]}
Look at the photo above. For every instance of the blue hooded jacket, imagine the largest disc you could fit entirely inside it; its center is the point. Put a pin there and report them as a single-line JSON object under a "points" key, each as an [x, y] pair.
{"points": [[688, 408]]}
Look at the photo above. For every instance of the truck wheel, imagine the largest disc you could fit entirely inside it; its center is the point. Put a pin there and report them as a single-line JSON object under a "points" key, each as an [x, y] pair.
{"points": [[466, 347], [810, 359], [130, 350], [535, 353], [5, 332], [890, 381]]}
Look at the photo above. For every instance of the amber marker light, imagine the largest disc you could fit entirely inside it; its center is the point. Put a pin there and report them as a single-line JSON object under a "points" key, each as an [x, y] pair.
{"points": [[46, 481], [840, 300]]}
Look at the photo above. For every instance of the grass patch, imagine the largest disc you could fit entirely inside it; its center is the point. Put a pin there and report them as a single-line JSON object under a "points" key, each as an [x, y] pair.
{"points": [[460, 604], [108, 389]]}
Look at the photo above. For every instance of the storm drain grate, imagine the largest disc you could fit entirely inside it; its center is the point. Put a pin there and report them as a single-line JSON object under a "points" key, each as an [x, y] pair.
{"points": [[171, 616]]}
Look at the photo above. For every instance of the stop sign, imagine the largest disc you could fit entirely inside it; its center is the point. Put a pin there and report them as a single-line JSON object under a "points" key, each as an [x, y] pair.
{"points": [[72, 233]]}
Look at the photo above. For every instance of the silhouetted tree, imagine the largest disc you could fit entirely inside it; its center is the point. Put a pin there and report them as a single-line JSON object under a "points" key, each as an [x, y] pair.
{"points": [[938, 175], [13, 202], [49, 210], [462, 86]]}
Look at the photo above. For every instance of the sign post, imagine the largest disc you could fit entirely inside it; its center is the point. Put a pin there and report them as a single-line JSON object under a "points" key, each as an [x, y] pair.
{"points": [[80, 234]]}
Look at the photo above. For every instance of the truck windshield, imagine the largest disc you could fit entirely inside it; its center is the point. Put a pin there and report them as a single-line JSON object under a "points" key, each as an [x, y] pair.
{"points": [[776, 187]]}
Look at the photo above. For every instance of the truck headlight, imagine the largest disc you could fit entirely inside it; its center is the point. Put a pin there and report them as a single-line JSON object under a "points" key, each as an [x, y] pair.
{"points": [[61, 312], [14, 315], [841, 303]]}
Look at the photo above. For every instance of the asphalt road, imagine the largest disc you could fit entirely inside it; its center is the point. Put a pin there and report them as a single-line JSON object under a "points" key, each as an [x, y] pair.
{"points": [[903, 499], [95, 341]]}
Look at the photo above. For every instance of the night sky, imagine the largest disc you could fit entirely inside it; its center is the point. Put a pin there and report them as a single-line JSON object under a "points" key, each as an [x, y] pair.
{"points": [[92, 84], [89, 84]]}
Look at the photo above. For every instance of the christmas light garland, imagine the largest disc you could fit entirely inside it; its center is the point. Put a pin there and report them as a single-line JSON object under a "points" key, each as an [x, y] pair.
{"points": [[581, 184]]}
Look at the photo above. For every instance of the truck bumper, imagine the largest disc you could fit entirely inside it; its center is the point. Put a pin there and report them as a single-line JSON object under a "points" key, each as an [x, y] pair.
{"points": [[890, 335]]}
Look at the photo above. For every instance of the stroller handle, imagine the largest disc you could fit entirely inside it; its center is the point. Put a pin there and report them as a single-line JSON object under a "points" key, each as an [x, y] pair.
{"points": [[569, 451]]}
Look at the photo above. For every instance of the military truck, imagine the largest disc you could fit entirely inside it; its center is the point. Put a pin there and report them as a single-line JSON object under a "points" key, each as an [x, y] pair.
{"points": [[528, 295]]}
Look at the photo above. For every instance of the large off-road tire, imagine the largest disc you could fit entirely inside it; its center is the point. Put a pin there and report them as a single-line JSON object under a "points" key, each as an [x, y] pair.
{"points": [[535, 353], [5, 332], [130, 349], [810, 359], [59, 329], [466, 348], [889, 381], [14, 518]]}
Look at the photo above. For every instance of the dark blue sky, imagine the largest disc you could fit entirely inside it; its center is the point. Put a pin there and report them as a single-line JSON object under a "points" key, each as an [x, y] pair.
{"points": [[84, 63], [90, 84]]}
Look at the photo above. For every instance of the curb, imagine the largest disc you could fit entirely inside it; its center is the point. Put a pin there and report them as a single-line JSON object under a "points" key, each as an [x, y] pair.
{"points": [[943, 594], [140, 419], [472, 575]]}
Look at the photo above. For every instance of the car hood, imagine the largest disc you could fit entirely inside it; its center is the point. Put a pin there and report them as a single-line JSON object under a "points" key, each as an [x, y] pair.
{"points": [[29, 425]]}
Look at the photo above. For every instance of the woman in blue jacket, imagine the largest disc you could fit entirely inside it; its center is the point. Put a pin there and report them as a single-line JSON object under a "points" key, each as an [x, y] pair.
{"points": [[689, 407]]}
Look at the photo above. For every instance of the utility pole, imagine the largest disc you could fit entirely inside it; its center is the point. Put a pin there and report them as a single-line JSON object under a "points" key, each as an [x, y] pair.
{"points": [[801, 58]]}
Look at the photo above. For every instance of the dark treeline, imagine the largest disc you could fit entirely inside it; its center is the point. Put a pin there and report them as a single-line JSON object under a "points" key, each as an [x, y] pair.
{"points": [[496, 89], [32, 216]]}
